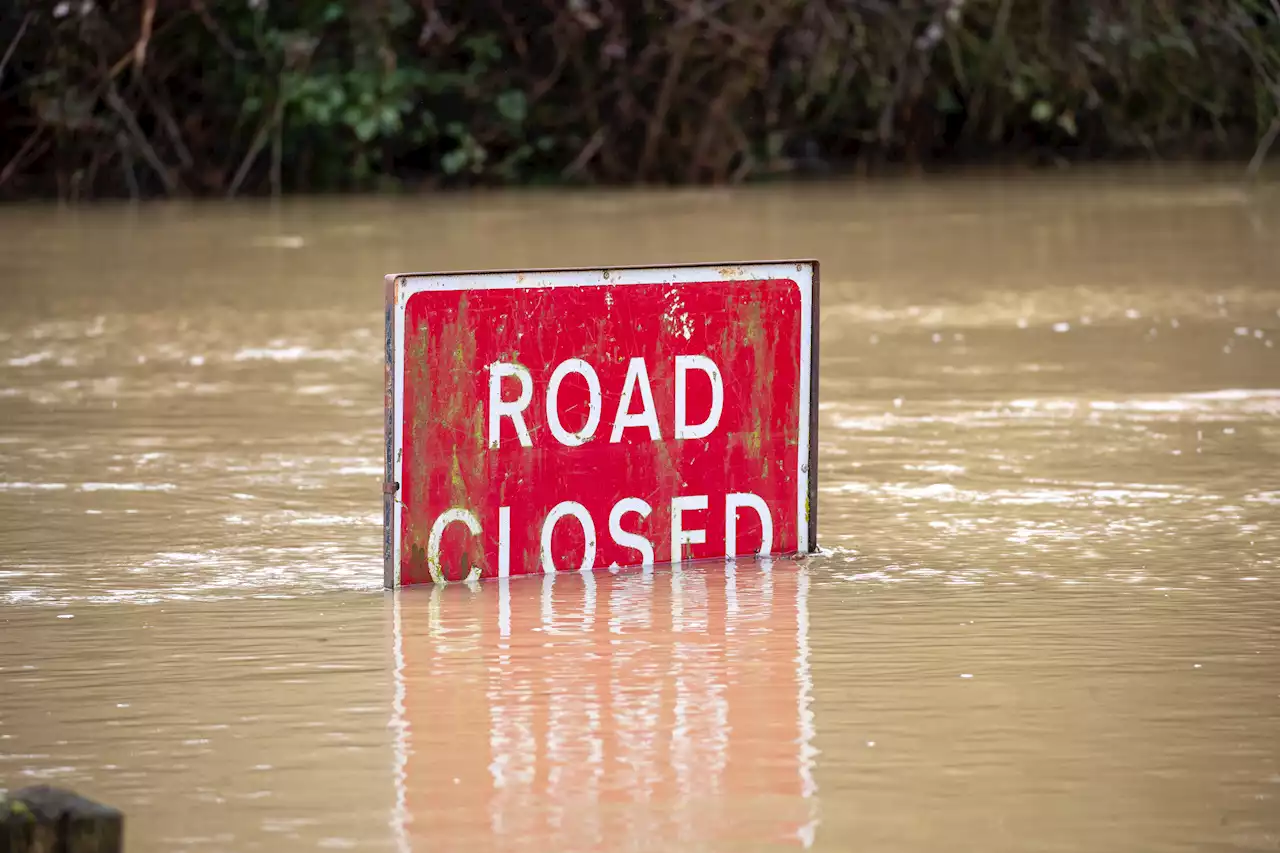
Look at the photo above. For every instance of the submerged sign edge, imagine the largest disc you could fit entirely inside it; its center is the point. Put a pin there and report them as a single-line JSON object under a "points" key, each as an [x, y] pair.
{"points": [[398, 287]]}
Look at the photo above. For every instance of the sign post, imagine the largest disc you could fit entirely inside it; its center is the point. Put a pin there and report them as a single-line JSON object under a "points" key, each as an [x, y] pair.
{"points": [[543, 421]]}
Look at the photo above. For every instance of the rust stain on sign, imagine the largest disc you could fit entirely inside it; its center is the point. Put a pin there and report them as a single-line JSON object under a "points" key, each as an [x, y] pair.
{"points": [[598, 419]]}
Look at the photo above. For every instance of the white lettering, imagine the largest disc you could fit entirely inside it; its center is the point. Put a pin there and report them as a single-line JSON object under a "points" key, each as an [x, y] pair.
{"points": [[498, 408], [684, 363], [630, 540], [579, 512], [437, 534], [504, 541], [679, 535], [738, 500], [581, 437], [637, 376]]}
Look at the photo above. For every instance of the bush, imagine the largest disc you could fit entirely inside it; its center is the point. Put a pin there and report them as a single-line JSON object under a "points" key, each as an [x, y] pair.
{"points": [[148, 97]]}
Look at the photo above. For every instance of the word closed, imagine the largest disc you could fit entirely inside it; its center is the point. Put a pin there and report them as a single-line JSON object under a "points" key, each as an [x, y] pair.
{"points": [[550, 421]]}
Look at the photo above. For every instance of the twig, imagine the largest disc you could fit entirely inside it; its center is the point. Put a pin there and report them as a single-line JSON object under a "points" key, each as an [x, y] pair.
{"points": [[1269, 138], [144, 36], [13, 45], [259, 141], [16, 161], [212, 26], [1273, 87], [539, 89], [659, 117], [584, 156], [713, 118], [169, 124], [748, 164], [884, 127], [277, 146], [126, 165], [518, 41], [126, 115], [131, 56], [91, 177], [255, 148], [977, 99]]}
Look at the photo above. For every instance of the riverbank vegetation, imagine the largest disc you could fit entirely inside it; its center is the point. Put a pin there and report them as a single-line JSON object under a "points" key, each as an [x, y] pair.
{"points": [[223, 97]]}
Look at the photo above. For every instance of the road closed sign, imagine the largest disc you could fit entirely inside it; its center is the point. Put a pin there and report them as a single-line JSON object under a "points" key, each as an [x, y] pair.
{"points": [[547, 421]]}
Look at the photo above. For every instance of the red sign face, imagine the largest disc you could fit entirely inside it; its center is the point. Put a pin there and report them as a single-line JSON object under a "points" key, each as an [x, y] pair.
{"points": [[551, 421]]}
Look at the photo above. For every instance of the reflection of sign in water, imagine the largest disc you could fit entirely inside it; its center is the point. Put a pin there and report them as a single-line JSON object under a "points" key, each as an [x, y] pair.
{"points": [[578, 711], [547, 421]]}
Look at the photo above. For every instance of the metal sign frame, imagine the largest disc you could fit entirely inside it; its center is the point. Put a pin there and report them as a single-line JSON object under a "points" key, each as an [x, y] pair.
{"points": [[399, 287]]}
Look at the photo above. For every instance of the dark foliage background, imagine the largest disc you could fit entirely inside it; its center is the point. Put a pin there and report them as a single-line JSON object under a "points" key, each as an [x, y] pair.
{"points": [[200, 97]]}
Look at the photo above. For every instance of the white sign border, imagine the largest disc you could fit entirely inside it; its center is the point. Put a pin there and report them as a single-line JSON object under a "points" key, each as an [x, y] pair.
{"points": [[401, 287]]}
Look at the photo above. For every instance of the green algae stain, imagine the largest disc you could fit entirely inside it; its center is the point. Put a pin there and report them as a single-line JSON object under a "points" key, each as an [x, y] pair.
{"points": [[750, 326], [457, 484], [750, 320], [477, 427], [752, 440]]}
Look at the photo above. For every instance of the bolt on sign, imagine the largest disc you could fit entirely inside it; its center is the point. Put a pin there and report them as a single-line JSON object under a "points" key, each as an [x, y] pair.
{"points": [[545, 421]]}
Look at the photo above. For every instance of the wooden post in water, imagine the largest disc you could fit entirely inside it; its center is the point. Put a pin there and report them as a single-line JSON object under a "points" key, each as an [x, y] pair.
{"points": [[41, 819]]}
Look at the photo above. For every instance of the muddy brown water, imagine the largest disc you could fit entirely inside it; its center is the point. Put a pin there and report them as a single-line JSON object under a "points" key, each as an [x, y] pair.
{"points": [[1047, 616]]}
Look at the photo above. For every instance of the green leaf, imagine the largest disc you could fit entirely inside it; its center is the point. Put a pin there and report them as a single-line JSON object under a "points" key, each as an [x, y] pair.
{"points": [[483, 48], [947, 103], [366, 128], [1042, 111], [445, 81], [1067, 121], [400, 13], [512, 106], [454, 162]]}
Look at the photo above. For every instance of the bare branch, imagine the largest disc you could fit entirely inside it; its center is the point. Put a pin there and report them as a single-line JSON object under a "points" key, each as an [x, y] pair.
{"points": [[13, 45], [144, 35], [121, 109], [16, 162], [1268, 139]]}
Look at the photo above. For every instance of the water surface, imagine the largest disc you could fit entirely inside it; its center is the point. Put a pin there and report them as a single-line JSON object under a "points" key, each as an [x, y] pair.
{"points": [[1045, 617]]}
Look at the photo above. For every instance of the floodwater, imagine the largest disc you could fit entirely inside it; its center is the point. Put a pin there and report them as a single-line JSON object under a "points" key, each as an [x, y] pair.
{"points": [[1047, 616]]}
